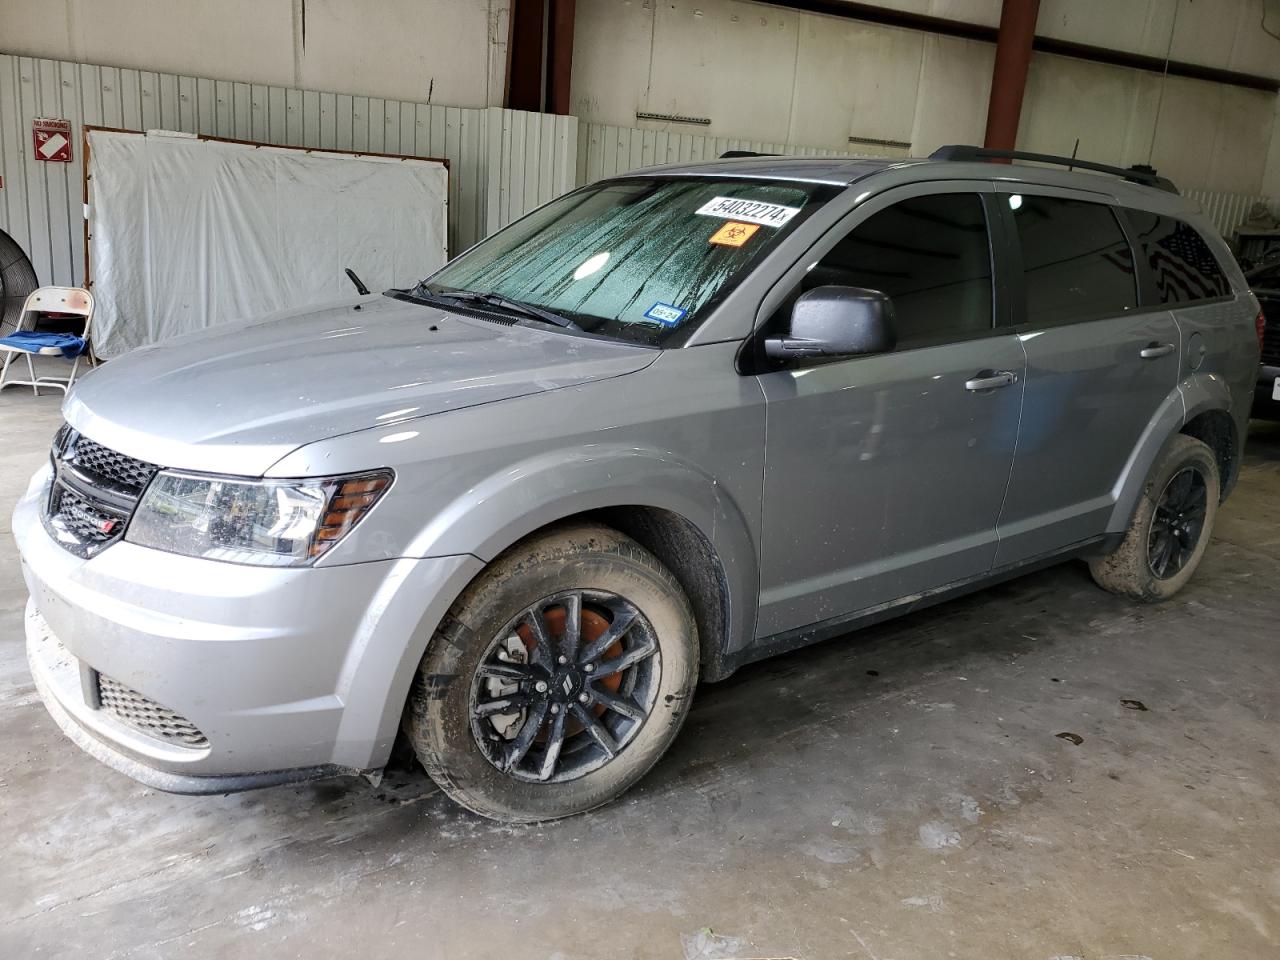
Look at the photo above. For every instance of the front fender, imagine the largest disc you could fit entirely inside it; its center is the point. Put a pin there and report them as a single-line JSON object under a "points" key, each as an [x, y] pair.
{"points": [[541, 489], [524, 497], [490, 516], [685, 435]]}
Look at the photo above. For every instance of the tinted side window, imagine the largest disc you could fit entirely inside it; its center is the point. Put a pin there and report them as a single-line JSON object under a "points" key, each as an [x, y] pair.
{"points": [[1075, 257], [931, 255], [1183, 266]]}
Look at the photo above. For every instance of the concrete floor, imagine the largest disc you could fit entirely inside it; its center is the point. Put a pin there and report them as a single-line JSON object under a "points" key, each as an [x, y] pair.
{"points": [[897, 794]]}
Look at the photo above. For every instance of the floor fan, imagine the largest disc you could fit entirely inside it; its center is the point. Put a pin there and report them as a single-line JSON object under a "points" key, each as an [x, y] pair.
{"points": [[17, 280]]}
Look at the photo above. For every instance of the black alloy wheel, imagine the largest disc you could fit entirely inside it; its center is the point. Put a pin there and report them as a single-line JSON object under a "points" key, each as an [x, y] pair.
{"points": [[565, 686], [1177, 523]]}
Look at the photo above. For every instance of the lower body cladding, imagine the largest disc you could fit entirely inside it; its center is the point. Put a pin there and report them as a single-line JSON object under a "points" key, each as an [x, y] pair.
{"points": [[197, 676]]}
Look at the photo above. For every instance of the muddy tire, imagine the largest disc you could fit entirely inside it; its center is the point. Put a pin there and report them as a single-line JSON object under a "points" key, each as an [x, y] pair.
{"points": [[557, 679], [1170, 529]]}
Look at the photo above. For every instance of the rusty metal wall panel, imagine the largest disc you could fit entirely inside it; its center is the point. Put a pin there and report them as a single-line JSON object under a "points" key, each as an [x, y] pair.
{"points": [[40, 203]]}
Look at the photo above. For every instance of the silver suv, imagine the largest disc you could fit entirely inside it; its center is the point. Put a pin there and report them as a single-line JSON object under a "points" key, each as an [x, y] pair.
{"points": [[666, 425]]}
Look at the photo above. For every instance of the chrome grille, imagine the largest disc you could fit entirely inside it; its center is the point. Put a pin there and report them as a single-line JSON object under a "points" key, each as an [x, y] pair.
{"points": [[81, 518], [94, 492], [104, 462], [132, 708]]}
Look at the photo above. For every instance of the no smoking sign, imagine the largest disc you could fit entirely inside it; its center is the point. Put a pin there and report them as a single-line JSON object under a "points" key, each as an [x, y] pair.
{"points": [[52, 139]]}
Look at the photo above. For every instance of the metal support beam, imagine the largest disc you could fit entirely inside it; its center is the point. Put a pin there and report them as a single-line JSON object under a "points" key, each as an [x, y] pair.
{"points": [[525, 42], [869, 13], [540, 55], [560, 56], [1009, 77]]}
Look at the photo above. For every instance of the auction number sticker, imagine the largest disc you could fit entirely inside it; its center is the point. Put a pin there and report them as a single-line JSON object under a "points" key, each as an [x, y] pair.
{"points": [[752, 211]]}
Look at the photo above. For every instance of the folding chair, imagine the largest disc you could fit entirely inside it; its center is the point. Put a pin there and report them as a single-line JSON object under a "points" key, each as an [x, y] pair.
{"points": [[28, 342]]}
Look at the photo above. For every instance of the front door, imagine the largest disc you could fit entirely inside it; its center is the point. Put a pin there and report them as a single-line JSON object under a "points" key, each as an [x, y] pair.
{"points": [[885, 475]]}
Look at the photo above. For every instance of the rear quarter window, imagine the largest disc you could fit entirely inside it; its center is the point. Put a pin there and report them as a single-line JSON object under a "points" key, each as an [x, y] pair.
{"points": [[1182, 265]]}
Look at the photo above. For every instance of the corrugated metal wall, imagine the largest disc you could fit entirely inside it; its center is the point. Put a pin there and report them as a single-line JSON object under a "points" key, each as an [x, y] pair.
{"points": [[605, 150], [532, 159], [1227, 210], [530, 155], [502, 163]]}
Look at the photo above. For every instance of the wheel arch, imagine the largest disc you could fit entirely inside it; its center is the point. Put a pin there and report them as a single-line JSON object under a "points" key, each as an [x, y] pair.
{"points": [[669, 506], [683, 548], [692, 558], [676, 541], [1216, 429], [1200, 407], [679, 514]]}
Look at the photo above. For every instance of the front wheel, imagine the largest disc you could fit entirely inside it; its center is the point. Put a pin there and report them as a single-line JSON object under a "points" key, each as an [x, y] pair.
{"points": [[1171, 527], [558, 679]]}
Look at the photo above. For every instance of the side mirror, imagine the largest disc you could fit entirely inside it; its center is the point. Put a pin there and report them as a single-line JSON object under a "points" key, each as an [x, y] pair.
{"points": [[836, 322]]}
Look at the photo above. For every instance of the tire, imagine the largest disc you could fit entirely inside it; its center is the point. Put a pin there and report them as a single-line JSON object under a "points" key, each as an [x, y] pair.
{"points": [[490, 651], [1131, 569]]}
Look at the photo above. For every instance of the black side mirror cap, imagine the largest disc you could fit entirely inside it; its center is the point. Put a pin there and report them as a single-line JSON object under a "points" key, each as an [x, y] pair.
{"points": [[836, 322]]}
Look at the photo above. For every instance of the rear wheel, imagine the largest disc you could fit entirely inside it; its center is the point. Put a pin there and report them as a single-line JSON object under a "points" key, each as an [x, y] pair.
{"points": [[558, 678], [1171, 527]]}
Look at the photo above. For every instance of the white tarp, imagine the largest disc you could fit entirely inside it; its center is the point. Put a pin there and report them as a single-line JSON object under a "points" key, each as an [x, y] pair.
{"points": [[187, 233]]}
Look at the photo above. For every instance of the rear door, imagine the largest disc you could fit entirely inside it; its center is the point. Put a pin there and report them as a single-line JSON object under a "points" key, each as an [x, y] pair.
{"points": [[1099, 365], [1219, 329], [884, 474]]}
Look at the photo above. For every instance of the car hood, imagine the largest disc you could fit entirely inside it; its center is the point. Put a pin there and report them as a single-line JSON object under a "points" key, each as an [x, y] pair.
{"points": [[238, 397]]}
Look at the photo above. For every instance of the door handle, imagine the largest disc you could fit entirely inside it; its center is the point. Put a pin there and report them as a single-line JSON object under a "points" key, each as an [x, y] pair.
{"points": [[1151, 351], [991, 379]]}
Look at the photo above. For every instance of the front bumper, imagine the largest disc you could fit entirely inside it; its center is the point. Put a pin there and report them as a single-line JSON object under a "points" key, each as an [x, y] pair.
{"points": [[287, 673], [57, 675]]}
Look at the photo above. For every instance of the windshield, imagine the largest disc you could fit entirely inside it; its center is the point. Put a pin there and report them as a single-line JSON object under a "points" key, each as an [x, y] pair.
{"points": [[643, 259]]}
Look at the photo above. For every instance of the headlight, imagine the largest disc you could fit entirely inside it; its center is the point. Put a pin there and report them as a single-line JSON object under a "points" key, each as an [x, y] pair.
{"points": [[278, 523]]}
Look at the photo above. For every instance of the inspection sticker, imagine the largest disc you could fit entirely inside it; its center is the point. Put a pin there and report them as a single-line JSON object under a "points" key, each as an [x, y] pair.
{"points": [[665, 314], [752, 211], [734, 234]]}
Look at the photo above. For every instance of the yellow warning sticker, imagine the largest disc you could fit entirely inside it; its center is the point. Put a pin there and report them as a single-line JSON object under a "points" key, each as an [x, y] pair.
{"points": [[734, 234]]}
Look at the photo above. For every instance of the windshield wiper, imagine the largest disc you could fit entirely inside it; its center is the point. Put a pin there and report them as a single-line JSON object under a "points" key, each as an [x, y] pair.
{"points": [[498, 300]]}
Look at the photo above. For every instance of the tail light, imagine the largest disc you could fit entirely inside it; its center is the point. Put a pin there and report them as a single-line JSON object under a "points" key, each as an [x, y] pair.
{"points": [[1260, 325]]}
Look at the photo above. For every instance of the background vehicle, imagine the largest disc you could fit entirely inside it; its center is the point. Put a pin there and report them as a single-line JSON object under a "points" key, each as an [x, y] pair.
{"points": [[663, 426], [1264, 280]]}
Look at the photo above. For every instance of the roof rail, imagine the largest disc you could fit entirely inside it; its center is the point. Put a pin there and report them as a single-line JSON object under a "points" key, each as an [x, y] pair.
{"points": [[1142, 174]]}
